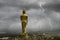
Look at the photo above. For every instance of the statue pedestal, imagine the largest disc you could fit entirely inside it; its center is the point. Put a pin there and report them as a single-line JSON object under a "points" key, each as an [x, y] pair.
{"points": [[24, 36]]}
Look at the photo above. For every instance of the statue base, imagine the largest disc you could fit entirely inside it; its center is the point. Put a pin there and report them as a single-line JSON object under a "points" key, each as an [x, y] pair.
{"points": [[24, 36]]}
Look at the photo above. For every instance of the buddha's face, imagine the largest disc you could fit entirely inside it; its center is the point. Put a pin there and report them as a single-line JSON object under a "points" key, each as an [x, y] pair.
{"points": [[24, 12]]}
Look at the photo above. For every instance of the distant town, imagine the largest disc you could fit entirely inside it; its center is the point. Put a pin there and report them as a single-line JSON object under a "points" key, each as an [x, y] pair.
{"points": [[36, 36]]}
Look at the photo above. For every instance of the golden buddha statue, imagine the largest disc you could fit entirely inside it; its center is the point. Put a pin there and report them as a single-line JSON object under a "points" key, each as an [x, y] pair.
{"points": [[24, 21]]}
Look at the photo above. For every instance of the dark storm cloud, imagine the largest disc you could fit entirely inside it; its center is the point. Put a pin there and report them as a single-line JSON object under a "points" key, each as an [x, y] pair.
{"points": [[20, 4], [31, 6], [53, 6], [1, 5]]}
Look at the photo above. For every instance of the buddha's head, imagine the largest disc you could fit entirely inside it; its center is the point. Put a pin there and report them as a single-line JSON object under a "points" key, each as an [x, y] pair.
{"points": [[24, 12]]}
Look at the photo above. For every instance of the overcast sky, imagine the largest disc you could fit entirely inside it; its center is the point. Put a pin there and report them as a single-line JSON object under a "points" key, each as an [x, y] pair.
{"points": [[43, 15]]}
